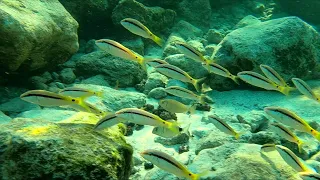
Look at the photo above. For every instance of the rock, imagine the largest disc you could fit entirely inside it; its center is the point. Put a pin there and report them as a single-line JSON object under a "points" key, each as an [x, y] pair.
{"points": [[170, 48], [9, 92], [148, 165], [179, 139], [53, 115], [256, 119], [196, 12], [67, 76], [128, 73], [163, 114], [243, 161], [272, 43], [186, 30], [39, 149], [164, 3], [307, 10], [90, 14], [15, 106], [156, 19], [157, 93], [264, 137], [246, 21], [37, 82], [35, 35], [4, 118], [136, 45], [154, 80], [192, 67], [47, 77], [183, 148], [100, 80], [214, 36]]}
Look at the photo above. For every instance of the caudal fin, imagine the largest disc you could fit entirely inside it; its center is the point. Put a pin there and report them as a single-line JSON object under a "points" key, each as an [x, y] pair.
{"points": [[235, 79], [202, 99], [285, 90], [192, 109], [300, 143], [237, 135], [198, 176], [196, 83], [158, 40]]}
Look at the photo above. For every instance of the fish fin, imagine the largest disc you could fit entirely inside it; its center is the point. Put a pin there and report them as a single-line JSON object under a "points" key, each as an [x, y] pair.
{"points": [[198, 176], [99, 94], [285, 90], [158, 40], [235, 79], [192, 109], [202, 99], [205, 88], [174, 127], [143, 64], [81, 103], [197, 82], [316, 135], [238, 134], [300, 143], [186, 130]]}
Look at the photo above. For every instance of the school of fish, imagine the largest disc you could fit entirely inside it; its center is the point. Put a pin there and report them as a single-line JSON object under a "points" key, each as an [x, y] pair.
{"points": [[285, 120]]}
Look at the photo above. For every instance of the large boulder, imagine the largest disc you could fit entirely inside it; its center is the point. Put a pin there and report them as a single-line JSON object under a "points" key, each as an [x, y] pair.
{"points": [[90, 14], [289, 45], [39, 149], [35, 35], [126, 72], [156, 19]]}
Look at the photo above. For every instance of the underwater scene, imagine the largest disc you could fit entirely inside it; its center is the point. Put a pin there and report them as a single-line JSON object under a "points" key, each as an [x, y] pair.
{"points": [[160, 90]]}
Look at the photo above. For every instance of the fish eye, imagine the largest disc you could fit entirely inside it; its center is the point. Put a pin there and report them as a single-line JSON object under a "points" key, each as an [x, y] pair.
{"points": [[73, 100], [311, 130], [189, 174], [164, 122], [136, 57], [180, 129]]}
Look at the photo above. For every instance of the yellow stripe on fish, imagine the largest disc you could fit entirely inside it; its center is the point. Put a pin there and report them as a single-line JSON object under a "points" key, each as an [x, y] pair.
{"points": [[219, 70], [137, 28], [185, 93], [273, 75], [289, 118], [287, 134], [49, 99], [116, 49], [309, 175], [142, 117], [107, 121], [177, 73], [224, 127], [191, 52], [174, 106], [291, 159], [305, 89], [169, 164], [258, 80], [155, 62], [79, 92]]}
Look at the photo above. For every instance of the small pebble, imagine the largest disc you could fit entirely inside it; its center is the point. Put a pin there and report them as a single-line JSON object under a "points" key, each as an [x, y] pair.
{"points": [[183, 148], [148, 165]]}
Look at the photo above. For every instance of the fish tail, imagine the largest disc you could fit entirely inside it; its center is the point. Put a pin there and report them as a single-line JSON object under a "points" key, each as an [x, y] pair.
{"points": [[196, 83], [192, 109], [285, 90], [158, 40], [300, 143], [81, 103], [202, 99], [143, 63], [237, 135], [198, 176], [174, 127], [235, 79]]}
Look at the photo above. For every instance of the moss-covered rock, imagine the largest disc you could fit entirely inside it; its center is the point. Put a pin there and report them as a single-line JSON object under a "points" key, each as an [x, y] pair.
{"points": [[39, 149], [35, 35]]}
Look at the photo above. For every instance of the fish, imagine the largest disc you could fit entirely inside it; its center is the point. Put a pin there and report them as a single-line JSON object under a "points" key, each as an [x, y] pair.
{"points": [[291, 159], [174, 106], [155, 62], [271, 74], [50, 99], [80, 92], [177, 73], [110, 119], [137, 28], [142, 117], [91, 108], [224, 127], [258, 80], [268, 147], [167, 133], [191, 52], [309, 175], [116, 49], [305, 89], [290, 119], [287, 134], [169, 164], [185, 93], [219, 70]]}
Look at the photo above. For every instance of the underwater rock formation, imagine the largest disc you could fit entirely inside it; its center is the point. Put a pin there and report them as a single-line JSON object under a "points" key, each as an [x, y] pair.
{"points": [[156, 19], [35, 35], [289, 45], [128, 73], [15, 106], [39, 149], [154, 80]]}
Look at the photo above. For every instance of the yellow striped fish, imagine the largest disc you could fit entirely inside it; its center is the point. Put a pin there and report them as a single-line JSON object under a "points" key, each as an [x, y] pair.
{"points": [[191, 52], [185, 93], [79, 92], [155, 62], [224, 127], [309, 175], [177, 73], [289, 118], [174, 106], [169, 164], [305, 89], [273, 75], [219, 70], [116, 49], [139, 29], [268, 147], [107, 121]]}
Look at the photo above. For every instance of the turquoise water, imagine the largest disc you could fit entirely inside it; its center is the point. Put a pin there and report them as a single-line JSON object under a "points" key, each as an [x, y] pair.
{"points": [[150, 90]]}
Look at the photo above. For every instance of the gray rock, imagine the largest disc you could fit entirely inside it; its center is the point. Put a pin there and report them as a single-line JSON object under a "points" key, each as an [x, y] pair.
{"points": [[136, 45], [67, 76], [246, 21], [156, 19], [170, 48], [264, 137], [157, 93], [214, 36], [37, 82], [289, 45], [47, 77], [127, 72], [39, 149], [186, 30], [196, 12], [16, 105], [4, 118], [154, 80], [96, 80], [46, 39], [180, 139]]}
